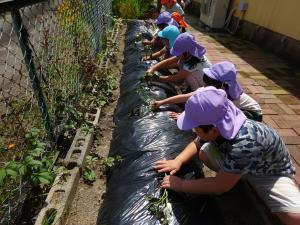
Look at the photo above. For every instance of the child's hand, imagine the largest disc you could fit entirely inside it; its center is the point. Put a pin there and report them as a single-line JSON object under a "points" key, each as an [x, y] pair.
{"points": [[174, 115], [183, 4], [165, 166], [156, 104], [146, 58], [172, 182], [146, 42], [150, 71]]}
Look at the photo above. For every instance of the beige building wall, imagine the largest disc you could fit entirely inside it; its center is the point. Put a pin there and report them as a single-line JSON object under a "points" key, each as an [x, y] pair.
{"points": [[281, 16]]}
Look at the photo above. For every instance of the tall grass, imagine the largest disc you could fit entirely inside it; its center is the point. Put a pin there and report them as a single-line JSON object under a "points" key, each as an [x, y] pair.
{"points": [[131, 9]]}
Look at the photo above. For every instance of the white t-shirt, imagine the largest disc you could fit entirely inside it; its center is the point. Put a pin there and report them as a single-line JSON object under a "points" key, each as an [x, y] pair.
{"points": [[247, 103], [195, 79], [175, 8]]}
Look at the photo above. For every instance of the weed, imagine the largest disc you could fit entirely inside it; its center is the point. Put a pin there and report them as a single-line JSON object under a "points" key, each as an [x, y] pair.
{"points": [[87, 128], [36, 167], [131, 9], [89, 175], [49, 216], [111, 161]]}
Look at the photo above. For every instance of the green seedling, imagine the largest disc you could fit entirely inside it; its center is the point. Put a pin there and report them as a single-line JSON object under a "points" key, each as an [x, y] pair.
{"points": [[139, 37], [89, 175], [160, 207], [110, 162], [87, 128], [49, 217], [147, 51], [149, 77], [147, 107]]}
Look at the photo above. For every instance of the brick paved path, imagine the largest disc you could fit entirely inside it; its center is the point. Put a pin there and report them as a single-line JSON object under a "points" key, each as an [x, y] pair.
{"points": [[272, 81]]}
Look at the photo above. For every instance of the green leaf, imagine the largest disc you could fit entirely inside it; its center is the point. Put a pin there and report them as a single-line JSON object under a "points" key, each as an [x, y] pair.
{"points": [[12, 165], [2, 176], [12, 173], [27, 136], [49, 217], [40, 145], [45, 177], [153, 199], [28, 159], [36, 152], [22, 169], [32, 162], [89, 176]]}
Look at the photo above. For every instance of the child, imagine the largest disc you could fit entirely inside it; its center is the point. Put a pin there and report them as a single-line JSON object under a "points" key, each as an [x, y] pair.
{"points": [[163, 20], [189, 56], [172, 6], [168, 36], [184, 3], [238, 148], [222, 76], [179, 19]]}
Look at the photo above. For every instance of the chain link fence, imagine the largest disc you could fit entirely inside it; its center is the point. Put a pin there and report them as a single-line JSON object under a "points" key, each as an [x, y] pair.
{"points": [[43, 48]]}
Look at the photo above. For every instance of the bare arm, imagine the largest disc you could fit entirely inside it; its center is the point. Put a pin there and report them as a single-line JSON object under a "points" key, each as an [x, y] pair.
{"points": [[159, 53], [150, 42], [188, 153], [174, 99], [180, 76], [163, 64], [222, 183], [172, 166]]}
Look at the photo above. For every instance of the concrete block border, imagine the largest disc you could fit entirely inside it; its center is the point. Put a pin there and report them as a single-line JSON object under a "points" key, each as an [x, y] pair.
{"points": [[109, 52], [60, 196], [65, 184], [93, 118], [79, 149], [81, 143]]}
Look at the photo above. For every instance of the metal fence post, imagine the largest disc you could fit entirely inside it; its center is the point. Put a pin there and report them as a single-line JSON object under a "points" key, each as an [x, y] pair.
{"points": [[22, 35]]}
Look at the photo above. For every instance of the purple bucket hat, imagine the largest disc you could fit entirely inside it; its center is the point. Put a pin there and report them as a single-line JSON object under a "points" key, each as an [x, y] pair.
{"points": [[186, 42], [225, 72], [166, 17], [210, 106]]}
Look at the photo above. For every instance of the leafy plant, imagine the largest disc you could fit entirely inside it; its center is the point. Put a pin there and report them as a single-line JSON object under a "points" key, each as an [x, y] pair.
{"points": [[160, 207], [149, 77], [36, 167], [147, 51], [87, 128], [75, 118], [89, 175], [131, 9], [116, 21], [139, 37], [143, 92], [110, 162]]}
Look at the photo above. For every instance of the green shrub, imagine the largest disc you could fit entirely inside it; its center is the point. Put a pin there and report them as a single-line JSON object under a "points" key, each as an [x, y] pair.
{"points": [[131, 9]]}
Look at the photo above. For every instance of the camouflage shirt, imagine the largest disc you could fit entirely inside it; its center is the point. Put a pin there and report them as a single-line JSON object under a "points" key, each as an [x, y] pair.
{"points": [[257, 150]]}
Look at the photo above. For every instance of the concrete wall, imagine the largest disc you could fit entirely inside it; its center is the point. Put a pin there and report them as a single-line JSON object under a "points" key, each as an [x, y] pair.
{"points": [[281, 16]]}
